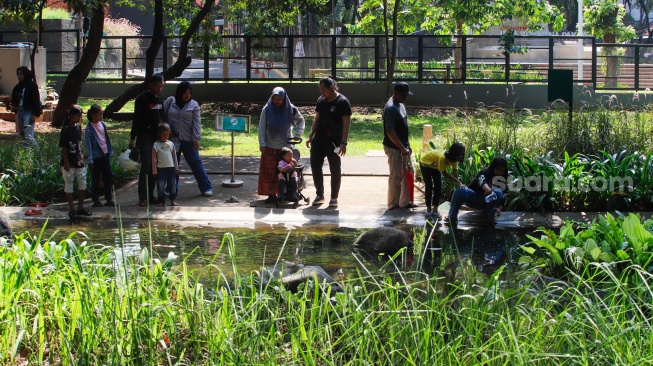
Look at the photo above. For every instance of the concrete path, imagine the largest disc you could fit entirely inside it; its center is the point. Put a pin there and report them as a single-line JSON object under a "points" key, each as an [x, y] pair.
{"points": [[361, 202]]}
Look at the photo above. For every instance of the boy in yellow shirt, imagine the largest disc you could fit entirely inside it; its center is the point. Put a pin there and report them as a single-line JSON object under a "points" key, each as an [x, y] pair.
{"points": [[433, 165]]}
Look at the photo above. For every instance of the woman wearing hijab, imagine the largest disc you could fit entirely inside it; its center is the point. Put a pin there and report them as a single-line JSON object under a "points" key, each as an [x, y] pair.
{"points": [[26, 103], [183, 115], [278, 117]]}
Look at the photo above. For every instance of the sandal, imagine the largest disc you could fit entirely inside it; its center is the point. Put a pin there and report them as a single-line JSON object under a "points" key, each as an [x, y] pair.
{"points": [[84, 212], [33, 212]]}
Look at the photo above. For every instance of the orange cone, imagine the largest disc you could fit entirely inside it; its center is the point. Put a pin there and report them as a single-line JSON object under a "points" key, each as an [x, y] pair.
{"points": [[262, 74]]}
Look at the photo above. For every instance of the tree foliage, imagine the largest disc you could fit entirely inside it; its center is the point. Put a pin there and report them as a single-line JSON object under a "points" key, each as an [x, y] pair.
{"points": [[605, 19], [449, 17], [266, 17]]}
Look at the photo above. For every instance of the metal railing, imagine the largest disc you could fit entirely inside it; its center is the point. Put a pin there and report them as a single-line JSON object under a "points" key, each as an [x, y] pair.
{"points": [[362, 58]]}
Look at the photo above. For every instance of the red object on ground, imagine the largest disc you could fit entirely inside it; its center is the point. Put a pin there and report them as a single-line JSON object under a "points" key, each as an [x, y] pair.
{"points": [[38, 204], [33, 212], [410, 181]]}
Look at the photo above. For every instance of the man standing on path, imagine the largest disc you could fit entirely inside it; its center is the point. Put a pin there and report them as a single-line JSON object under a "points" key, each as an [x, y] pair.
{"points": [[397, 147], [328, 138]]}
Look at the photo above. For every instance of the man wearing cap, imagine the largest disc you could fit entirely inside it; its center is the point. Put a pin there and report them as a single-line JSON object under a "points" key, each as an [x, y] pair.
{"points": [[396, 146]]}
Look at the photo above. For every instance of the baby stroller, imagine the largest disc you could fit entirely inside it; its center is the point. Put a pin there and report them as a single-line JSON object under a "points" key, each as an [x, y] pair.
{"points": [[290, 190]]}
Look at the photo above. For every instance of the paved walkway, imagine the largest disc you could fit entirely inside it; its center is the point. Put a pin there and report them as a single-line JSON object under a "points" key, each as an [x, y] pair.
{"points": [[361, 202]]}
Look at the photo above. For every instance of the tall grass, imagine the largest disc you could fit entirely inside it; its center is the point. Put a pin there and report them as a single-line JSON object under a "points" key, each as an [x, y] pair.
{"points": [[78, 302]]}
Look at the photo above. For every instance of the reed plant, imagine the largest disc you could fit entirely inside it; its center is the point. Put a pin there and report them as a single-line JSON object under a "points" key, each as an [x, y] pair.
{"points": [[79, 302]]}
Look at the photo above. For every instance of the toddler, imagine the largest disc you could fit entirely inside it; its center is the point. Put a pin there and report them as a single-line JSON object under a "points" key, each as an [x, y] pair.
{"points": [[164, 166], [433, 165]]}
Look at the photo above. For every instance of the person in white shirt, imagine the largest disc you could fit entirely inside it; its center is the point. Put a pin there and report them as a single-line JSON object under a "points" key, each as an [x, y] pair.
{"points": [[164, 166]]}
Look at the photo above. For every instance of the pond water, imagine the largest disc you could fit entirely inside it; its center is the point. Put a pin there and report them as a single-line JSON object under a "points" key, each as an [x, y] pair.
{"points": [[328, 246]]}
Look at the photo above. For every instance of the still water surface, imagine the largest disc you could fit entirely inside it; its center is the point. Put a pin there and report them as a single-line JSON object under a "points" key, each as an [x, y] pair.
{"points": [[328, 246]]}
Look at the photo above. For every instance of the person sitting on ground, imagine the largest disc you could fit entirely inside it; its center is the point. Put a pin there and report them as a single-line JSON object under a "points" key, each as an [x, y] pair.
{"points": [[72, 161], [165, 166], [485, 193], [278, 118], [433, 165], [98, 146], [287, 176]]}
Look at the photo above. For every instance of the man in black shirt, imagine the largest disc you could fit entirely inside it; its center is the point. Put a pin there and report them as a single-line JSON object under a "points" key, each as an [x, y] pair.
{"points": [[148, 114], [397, 147], [328, 138]]}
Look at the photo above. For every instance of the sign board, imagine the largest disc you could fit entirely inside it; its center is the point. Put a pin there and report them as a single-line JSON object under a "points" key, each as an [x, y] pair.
{"points": [[232, 122], [268, 65], [299, 49], [561, 85]]}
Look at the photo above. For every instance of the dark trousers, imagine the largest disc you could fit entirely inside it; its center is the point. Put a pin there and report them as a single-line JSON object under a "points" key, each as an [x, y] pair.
{"points": [[432, 186], [146, 181], [166, 181], [101, 169], [324, 149]]}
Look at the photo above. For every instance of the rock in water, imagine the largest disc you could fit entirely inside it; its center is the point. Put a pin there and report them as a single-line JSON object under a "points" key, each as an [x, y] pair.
{"points": [[5, 225], [292, 275], [383, 240]]}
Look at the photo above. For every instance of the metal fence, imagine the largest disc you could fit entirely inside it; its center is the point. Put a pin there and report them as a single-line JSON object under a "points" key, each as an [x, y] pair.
{"points": [[362, 58]]}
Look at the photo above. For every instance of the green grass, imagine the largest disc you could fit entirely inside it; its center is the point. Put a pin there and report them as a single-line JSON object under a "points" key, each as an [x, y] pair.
{"points": [[81, 302]]}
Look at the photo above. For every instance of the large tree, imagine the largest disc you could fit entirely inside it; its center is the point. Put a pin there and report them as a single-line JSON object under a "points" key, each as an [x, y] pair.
{"points": [[604, 19], [455, 17], [28, 10], [158, 35]]}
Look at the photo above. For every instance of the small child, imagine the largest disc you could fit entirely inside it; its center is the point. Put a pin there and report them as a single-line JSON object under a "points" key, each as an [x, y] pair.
{"points": [[433, 165], [72, 161], [164, 165], [286, 167], [99, 151]]}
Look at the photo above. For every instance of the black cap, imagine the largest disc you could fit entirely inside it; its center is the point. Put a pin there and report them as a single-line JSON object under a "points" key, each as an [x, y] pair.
{"points": [[403, 88]]}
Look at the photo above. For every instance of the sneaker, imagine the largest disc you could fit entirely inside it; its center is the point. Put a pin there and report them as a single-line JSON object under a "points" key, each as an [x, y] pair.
{"points": [[142, 204], [109, 204], [271, 199], [333, 202], [208, 193], [97, 204], [410, 205], [84, 212], [318, 200], [73, 214]]}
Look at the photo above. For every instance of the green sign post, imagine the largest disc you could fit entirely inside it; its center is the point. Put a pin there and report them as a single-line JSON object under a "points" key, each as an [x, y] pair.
{"points": [[233, 123]]}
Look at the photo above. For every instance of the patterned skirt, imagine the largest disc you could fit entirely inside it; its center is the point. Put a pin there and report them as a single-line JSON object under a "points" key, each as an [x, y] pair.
{"points": [[267, 177]]}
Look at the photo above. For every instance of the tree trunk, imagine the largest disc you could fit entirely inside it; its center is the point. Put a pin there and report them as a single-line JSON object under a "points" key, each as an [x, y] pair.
{"points": [[395, 41], [72, 86], [172, 72], [611, 62], [458, 53]]}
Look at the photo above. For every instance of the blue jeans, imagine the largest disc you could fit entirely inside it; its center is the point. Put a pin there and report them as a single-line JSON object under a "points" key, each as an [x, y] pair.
{"points": [[474, 200], [166, 181], [26, 127], [193, 160]]}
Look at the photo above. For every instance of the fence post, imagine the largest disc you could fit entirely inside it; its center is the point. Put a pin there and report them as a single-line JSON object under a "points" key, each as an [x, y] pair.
{"points": [[463, 55], [376, 57], [637, 48], [594, 62], [291, 57], [124, 58], [334, 57], [427, 135], [248, 57], [420, 57]]}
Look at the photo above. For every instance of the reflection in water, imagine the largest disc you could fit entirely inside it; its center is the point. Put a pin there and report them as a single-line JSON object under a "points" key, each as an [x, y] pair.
{"points": [[205, 249]]}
